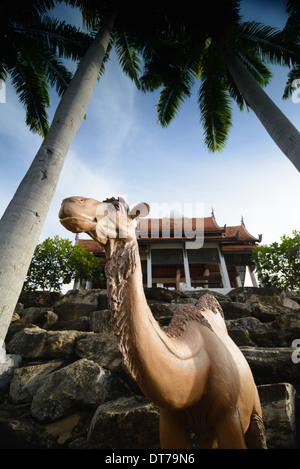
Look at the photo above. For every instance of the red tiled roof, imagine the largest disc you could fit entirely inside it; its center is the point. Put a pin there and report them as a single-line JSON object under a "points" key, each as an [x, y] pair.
{"points": [[243, 233], [237, 248], [150, 228], [90, 245], [231, 238], [179, 228]]}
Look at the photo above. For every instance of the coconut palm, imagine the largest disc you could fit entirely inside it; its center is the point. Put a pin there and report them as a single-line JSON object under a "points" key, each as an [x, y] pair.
{"points": [[281, 130], [31, 47], [231, 64], [22, 222]]}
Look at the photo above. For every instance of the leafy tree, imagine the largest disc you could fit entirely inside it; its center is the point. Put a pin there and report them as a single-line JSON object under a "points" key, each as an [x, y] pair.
{"points": [[56, 262], [278, 264], [31, 47]]}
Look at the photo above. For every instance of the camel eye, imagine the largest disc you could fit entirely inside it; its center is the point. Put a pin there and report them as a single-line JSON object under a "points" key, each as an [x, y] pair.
{"points": [[117, 206]]}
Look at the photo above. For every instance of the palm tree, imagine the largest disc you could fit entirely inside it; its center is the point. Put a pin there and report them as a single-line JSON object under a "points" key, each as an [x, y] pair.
{"points": [[231, 65], [32, 44], [22, 222], [281, 130]]}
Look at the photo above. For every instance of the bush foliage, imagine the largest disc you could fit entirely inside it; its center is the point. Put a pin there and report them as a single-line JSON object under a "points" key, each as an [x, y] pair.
{"points": [[56, 262], [278, 264]]}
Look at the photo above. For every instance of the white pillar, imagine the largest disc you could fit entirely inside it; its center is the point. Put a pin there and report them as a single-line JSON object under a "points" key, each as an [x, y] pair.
{"points": [[238, 281], [149, 267], [186, 268], [223, 270], [252, 275]]}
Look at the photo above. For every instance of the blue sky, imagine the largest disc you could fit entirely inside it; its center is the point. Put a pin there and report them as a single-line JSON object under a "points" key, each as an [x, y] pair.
{"points": [[120, 149]]}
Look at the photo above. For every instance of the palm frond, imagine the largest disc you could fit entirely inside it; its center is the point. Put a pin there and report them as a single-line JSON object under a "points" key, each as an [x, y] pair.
{"points": [[214, 102], [256, 67], [3, 70], [67, 40], [128, 57], [56, 74], [32, 89], [152, 78], [31, 46], [177, 87], [235, 93], [90, 10], [274, 45], [169, 103], [293, 82], [105, 59]]}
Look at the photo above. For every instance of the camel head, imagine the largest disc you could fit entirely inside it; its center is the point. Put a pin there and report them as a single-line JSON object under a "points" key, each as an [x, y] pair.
{"points": [[107, 222]]}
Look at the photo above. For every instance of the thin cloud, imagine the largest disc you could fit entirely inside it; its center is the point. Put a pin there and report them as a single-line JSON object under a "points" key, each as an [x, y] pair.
{"points": [[79, 178]]}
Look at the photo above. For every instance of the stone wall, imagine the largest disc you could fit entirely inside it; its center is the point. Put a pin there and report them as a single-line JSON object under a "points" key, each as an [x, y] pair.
{"points": [[62, 384]]}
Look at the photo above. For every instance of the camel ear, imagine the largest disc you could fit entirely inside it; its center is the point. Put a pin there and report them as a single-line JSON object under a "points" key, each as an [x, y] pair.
{"points": [[140, 210]]}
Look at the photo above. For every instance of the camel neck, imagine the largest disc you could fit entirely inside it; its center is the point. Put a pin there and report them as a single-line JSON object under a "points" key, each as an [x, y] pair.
{"points": [[147, 350], [129, 308], [119, 269]]}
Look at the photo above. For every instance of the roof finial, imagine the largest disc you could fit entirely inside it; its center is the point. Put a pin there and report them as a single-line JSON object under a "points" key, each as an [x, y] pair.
{"points": [[242, 220], [212, 212]]}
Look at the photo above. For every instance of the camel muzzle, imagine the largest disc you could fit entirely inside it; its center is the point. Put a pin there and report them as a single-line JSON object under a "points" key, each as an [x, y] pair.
{"points": [[75, 216]]}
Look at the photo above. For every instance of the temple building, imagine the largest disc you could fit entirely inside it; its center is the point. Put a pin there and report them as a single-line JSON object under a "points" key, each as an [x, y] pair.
{"points": [[188, 253]]}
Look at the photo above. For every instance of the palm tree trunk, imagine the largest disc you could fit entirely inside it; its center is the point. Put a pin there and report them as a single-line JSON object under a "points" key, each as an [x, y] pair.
{"points": [[281, 130], [23, 220]]}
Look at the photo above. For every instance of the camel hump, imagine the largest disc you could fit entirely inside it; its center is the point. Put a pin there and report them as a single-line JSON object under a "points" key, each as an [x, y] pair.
{"points": [[182, 315], [208, 301]]}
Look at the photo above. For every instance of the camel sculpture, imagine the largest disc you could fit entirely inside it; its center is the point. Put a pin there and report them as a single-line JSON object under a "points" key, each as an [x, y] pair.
{"points": [[194, 372]]}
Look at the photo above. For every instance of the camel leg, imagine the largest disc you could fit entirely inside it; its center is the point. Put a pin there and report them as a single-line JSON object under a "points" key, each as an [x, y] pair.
{"points": [[229, 432], [172, 434], [255, 436]]}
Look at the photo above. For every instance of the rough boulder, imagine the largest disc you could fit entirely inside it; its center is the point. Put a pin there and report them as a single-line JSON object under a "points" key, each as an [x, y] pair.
{"points": [[62, 383]]}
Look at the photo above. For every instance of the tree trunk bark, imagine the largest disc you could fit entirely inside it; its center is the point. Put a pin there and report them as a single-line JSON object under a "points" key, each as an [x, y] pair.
{"points": [[23, 220], [281, 130]]}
